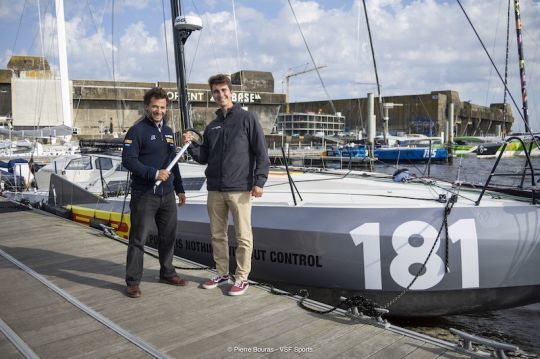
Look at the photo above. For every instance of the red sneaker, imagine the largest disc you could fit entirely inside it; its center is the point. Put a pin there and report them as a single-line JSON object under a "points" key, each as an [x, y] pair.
{"points": [[216, 281], [239, 287]]}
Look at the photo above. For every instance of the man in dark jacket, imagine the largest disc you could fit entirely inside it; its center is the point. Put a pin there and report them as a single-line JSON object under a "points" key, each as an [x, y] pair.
{"points": [[148, 149], [236, 153]]}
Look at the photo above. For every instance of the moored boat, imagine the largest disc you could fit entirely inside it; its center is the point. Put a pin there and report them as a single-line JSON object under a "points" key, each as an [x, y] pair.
{"points": [[475, 145], [362, 233]]}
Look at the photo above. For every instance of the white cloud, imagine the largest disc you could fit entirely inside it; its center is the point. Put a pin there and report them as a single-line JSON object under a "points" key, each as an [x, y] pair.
{"points": [[139, 55], [133, 4], [137, 39], [307, 12]]}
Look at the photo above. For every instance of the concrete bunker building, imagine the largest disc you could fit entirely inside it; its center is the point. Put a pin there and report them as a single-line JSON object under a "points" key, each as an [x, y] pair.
{"points": [[30, 98]]}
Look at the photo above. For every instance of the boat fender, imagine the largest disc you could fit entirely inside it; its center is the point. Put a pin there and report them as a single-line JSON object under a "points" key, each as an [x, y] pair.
{"points": [[402, 175]]}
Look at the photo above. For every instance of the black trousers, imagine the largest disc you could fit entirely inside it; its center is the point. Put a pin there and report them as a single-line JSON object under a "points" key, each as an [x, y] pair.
{"points": [[148, 209]]}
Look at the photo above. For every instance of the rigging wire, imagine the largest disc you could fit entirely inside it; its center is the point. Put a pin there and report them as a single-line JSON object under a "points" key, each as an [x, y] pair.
{"points": [[208, 25], [18, 28], [312, 59], [192, 66], [172, 122], [188, 75], [49, 4], [118, 112], [374, 61], [40, 93], [358, 33], [524, 115], [94, 22], [166, 41], [112, 40], [238, 62], [107, 65], [491, 60], [493, 47], [505, 113]]}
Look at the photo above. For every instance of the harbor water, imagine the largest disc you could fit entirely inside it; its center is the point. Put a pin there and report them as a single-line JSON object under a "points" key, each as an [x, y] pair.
{"points": [[518, 326]]}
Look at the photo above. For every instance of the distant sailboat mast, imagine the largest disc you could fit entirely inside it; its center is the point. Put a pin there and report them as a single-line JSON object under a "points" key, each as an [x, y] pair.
{"points": [[62, 59], [524, 98]]}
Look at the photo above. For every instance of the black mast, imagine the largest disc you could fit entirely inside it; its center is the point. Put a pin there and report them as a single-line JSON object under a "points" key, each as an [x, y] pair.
{"points": [[179, 37]]}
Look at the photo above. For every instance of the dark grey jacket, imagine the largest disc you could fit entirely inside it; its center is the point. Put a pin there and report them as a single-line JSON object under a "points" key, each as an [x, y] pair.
{"points": [[235, 150]]}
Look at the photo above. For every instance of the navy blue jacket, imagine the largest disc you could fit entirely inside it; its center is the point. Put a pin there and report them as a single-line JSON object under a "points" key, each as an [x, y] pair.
{"points": [[235, 150], [147, 150]]}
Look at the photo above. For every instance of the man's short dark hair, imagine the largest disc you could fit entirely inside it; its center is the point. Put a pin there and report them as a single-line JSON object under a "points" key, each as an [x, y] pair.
{"points": [[220, 79], [155, 92]]}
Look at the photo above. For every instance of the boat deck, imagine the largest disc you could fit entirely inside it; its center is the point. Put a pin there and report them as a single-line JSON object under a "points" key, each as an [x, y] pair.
{"points": [[88, 315]]}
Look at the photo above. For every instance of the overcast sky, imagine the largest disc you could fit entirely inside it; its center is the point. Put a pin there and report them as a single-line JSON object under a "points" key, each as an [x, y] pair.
{"points": [[420, 46]]}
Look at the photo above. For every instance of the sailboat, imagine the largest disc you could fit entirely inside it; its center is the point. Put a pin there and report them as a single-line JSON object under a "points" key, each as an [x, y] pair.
{"points": [[23, 152], [416, 248]]}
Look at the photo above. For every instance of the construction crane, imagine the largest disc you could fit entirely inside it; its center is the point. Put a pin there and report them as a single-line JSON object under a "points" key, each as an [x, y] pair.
{"points": [[287, 77]]}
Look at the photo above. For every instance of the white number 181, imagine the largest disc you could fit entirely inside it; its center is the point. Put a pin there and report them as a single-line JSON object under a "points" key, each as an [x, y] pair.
{"points": [[463, 231]]}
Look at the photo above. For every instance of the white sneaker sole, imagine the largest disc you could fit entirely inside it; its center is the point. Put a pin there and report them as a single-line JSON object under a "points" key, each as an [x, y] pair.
{"points": [[238, 293]]}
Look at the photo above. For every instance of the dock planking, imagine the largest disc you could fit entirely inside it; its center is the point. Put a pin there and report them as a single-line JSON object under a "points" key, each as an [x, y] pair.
{"points": [[177, 321], [7, 350]]}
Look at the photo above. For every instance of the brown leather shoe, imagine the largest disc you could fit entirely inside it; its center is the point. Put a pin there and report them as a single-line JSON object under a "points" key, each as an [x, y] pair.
{"points": [[133, 291], [175, 280]]}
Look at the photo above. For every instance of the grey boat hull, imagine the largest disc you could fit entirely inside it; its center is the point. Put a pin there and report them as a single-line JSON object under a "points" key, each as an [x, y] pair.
{"points": [[374, 245], [492, 263]]}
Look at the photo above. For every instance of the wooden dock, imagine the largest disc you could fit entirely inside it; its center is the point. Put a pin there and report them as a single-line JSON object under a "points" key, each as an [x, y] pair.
{"points": [[167, 321]]}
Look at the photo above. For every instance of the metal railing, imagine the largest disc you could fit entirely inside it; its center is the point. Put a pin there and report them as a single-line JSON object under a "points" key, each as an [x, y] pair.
{"points": [[528, 167]]}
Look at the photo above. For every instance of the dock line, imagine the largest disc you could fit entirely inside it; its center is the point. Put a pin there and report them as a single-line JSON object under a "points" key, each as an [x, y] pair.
{"points": [[100, 318]]}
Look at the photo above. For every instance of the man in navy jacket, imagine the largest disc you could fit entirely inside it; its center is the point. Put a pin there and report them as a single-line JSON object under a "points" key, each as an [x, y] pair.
{"points": [[148, 149]]}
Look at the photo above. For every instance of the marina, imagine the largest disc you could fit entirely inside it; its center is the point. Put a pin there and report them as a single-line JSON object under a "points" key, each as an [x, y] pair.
{"points": [[84, 265], [349, 231], [395, 244], [468, 169]]}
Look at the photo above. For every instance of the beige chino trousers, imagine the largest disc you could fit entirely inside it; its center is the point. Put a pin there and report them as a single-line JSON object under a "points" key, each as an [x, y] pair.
{"points": [[219, 206]]}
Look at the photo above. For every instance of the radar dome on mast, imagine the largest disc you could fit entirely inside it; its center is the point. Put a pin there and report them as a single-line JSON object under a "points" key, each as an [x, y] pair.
{"points": [[188, 23]]}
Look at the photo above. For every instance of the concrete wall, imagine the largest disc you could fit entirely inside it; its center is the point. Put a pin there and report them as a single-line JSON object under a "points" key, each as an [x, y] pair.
{"points": [[5, 100], [5, 76], [98, 103], [28, 92], [94, 118]]}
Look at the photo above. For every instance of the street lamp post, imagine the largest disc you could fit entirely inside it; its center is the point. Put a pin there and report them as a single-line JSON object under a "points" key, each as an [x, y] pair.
{"points": [[10, 126], [282, 134]]}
